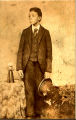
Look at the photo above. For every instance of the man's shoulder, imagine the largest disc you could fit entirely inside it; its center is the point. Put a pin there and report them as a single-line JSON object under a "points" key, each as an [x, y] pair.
{"points": [[45, 28], [27, 28], [30, 27]]}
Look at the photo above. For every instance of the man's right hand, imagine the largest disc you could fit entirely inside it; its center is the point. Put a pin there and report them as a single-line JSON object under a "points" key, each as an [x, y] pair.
{"points": [[21, 74]]}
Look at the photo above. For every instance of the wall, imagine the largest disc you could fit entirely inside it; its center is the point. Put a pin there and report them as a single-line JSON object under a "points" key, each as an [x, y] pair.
{"points": [[58, 18]]}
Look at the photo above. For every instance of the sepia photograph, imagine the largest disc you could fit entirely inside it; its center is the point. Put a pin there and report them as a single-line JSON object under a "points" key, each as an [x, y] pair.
{"points": [[37, 59]]}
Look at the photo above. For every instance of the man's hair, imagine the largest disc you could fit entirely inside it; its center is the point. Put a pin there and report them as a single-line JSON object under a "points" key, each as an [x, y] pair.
{"points": [[36, 9]]}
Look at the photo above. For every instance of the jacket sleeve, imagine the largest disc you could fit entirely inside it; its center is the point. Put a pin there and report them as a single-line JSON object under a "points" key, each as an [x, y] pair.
{"points": [[48, 52], [20, 53]]}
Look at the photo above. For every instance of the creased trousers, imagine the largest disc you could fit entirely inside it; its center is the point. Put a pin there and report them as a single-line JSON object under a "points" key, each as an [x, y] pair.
{"points": [[32, 77]]}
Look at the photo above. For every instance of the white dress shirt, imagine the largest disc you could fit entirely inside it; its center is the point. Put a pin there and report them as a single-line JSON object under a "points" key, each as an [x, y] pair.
{"points": [[35, 27]]}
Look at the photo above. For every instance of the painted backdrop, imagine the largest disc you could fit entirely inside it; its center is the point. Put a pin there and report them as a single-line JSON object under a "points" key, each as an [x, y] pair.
{"points": [[58, 18]]}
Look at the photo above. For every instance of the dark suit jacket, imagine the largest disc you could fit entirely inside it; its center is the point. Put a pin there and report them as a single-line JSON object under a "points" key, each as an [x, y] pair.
{"points": [[44, 51]]}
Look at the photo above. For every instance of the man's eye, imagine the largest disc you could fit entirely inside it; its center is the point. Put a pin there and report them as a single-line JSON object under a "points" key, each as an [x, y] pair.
{"points": [[32, 16]]}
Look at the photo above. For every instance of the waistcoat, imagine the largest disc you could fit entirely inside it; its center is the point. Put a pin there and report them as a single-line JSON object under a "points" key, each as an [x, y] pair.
{"points": [[34, 48]]}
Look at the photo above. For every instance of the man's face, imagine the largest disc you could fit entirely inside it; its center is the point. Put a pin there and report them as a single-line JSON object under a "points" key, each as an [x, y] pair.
{"points": [[34, 18]]}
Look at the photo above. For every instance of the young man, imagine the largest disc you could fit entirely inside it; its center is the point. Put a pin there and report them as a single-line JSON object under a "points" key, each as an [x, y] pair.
{"points": [[34, 60]]}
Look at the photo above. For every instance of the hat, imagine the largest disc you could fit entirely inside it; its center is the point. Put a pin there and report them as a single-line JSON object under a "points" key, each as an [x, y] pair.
{"points": [[44, 87]]}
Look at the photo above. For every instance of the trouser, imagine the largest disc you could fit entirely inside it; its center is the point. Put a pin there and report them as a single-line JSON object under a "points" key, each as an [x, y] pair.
{"points": [[32, 77]]}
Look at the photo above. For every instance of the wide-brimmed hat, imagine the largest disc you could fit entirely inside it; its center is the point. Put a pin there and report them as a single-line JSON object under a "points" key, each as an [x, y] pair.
{"points": [[45, 86]]}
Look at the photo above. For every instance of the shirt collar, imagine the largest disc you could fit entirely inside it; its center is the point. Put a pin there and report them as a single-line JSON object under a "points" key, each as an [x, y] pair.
{"points": [[35, 27]]}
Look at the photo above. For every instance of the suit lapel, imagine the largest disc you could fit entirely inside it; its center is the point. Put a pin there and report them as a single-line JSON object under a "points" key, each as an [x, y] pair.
{"points": [[29, 35], [40, 34]]}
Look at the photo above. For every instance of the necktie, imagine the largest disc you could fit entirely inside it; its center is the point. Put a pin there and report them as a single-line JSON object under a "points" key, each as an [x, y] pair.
{"points": [[35, 32]]}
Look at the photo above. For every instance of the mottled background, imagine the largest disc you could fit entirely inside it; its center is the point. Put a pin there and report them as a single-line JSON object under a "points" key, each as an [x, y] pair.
{"points": [[58, 18]]}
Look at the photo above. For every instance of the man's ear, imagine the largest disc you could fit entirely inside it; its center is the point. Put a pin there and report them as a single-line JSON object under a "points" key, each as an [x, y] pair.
{"points": [[40, 18]]}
